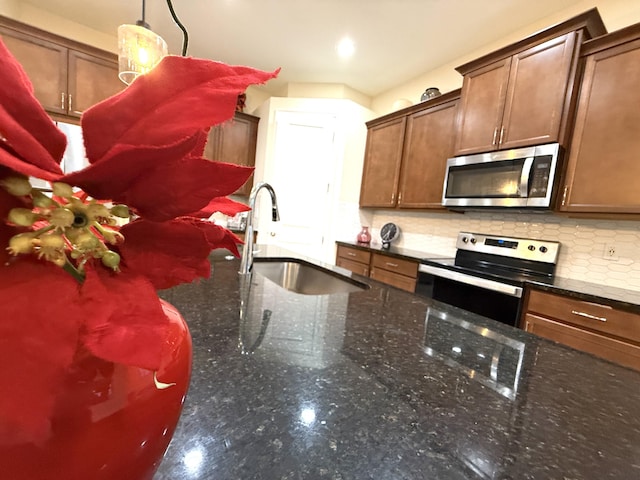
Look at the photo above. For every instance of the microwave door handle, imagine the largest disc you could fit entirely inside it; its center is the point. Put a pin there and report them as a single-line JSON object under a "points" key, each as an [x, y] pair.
{"points": [[524, 177]]}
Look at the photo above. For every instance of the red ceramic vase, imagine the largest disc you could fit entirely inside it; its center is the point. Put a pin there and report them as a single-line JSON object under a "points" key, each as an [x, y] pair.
{"points": [[111, 421]]}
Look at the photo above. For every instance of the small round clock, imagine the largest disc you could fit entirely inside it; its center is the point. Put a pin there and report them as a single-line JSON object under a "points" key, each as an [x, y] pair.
{"points": [[388, 233]]}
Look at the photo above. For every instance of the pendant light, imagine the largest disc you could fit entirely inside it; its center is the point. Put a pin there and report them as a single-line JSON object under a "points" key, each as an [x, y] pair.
{"points": [[140, 49]]}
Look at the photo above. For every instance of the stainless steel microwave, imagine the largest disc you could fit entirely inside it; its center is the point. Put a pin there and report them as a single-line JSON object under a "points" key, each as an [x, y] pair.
{"points": [[520, 178]]}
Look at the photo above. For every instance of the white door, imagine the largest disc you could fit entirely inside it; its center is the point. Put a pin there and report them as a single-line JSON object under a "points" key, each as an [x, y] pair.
{"points": [[304, 162]]}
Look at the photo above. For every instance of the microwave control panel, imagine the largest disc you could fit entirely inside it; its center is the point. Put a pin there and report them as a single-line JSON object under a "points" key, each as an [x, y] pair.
{"points": [[540, 173]]}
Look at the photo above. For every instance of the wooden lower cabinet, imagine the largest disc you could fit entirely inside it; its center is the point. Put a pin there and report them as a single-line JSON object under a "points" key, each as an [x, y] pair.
{"points": [[394, 271], [353, 259], [594, 328]]}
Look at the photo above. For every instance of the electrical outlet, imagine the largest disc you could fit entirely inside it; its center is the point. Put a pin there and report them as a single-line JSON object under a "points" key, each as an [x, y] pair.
{"points": [[610, 252]]}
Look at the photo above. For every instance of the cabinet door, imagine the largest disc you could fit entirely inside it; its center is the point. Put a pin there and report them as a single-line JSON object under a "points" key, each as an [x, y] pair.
{"points": [[235, 142], [481, 108], [382, 159], [538, 82], [91, 80], [603, 162], [428, 143], [45, 64]]}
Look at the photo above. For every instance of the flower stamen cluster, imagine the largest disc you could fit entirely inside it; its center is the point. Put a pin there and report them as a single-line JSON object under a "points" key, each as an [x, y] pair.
{"points": [[67, 228]]}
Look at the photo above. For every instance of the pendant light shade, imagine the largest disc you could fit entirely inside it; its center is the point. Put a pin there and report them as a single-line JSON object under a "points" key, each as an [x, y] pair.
{"points": [[139, 50]]}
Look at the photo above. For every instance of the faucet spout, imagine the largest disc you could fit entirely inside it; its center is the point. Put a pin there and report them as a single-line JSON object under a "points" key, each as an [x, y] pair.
{"points": [[247, 250]]}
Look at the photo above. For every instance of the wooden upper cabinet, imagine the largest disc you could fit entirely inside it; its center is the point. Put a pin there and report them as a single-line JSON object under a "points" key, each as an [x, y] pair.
{"points": [[428, 143], [604, 159], [68, 77], [44, 62], [235, 142], [539, 80], [91, 79], [481, 107], [406, 155], [517, 101], [522, 95], [383, 154]]}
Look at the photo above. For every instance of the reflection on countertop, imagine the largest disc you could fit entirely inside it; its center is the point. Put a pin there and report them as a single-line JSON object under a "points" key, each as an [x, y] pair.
{"points": [[362, 385]]}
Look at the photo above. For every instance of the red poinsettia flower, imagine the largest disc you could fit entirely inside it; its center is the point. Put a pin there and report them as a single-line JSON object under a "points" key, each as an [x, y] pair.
{"points": [[145, 149]]}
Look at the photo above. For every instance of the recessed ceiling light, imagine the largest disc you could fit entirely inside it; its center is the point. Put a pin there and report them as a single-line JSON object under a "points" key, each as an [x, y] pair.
{"points": [[345, 47]]}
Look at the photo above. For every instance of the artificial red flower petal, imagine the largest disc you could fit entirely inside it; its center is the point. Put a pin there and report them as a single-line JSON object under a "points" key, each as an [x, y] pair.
{"points": [[223, 205], [127, 324], [217, 236], [167, 253], [21, 151], [179, 96], [176, 188], [27, 134], [126, 165], [41, 317]]}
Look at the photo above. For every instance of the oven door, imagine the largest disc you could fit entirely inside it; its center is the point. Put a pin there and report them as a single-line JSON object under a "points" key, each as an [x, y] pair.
{"points": [[514, 178], [489, 298]]}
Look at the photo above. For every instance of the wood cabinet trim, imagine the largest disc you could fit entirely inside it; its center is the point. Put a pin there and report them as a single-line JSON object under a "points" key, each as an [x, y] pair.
{"points": [[418, 107], [590, 22], [610, 40], [52, 37]]}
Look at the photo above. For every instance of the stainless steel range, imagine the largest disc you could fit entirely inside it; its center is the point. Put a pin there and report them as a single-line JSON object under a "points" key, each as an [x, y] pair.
{"points": [[488, 273]]}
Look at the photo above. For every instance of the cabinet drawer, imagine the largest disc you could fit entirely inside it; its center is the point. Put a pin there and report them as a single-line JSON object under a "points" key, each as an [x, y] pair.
{"points": [[355, 267], [354, 254], [396, 265], [604, 347], [394, 279], [594, 316]]}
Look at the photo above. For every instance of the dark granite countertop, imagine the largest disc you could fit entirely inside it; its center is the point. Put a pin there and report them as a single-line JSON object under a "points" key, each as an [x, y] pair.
{"points": [[628, 300], [382, 384]]}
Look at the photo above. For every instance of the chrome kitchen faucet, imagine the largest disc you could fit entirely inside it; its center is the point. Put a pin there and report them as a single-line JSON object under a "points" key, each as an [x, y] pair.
{"points": [[247, 250]]}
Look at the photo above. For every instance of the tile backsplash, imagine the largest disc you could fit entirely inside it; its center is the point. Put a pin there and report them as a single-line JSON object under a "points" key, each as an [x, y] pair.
{"points": [[583, 242]]}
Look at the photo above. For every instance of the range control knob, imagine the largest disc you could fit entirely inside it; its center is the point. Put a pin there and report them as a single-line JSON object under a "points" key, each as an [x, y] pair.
{"points": [[465, 239], [543, 249], [531, 247], [473, 240]]}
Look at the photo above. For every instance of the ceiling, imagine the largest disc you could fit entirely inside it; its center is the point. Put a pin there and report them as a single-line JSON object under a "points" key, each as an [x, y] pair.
{"points": [[396, 40]]}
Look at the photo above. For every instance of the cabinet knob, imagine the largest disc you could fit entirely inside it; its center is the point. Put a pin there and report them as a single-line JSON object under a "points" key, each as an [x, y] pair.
{"points": [[62, 101], [501, 135], [495, 135]]}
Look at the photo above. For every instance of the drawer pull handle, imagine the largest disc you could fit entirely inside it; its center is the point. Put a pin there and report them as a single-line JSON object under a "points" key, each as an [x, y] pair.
{"points": [[588, 315], [392, 264], [351, 254]]}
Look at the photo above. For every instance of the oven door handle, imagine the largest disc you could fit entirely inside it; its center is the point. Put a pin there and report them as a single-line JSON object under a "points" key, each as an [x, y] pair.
{"points": [[507, 289]]}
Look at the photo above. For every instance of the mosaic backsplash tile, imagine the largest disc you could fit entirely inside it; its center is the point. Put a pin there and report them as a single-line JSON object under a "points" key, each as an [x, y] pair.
{"points": [[583, 242]]}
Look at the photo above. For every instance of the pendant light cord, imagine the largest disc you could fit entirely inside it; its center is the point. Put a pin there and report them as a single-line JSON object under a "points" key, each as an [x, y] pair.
{"points": [[185, 35]]}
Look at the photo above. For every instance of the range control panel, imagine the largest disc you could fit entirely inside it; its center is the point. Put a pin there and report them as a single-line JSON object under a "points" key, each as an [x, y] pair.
{"points": [[524, 248]]}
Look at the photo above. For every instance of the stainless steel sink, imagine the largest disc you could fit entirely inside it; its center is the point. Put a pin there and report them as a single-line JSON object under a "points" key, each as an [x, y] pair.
{"points": [[301, 277]]}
